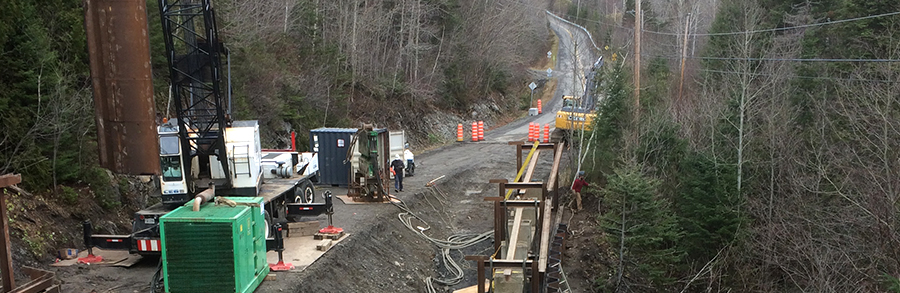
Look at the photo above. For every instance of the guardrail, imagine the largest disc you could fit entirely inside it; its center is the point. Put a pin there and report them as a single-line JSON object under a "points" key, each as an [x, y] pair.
{"points": [[576, 25]]}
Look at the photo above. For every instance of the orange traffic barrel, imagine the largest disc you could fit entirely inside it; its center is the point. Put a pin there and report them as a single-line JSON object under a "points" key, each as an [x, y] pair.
{"points": [[459, 132], [474, 131], [546, 133], [531, 131], [480, 130], [539, 107]]}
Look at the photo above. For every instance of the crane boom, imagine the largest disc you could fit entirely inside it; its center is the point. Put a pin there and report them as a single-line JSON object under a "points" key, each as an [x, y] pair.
{"points": [[194, 55]]}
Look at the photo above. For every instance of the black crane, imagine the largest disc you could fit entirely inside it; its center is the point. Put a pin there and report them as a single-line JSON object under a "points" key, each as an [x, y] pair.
{"points": [[195, 55]]}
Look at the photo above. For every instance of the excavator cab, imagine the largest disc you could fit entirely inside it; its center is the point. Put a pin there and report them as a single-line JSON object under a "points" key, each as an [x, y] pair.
{"points": [[573, 116]]}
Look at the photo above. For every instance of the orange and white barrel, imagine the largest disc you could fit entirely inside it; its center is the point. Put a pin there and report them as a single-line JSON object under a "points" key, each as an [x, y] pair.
{"points": [[539, 107], [546, 133], [459, 132], [480, 130], [474, 131], [531, 131]]}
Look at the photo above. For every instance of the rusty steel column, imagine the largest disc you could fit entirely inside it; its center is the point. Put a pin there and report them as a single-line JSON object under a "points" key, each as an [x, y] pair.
{"points": [[6, 267], [119, 50]]}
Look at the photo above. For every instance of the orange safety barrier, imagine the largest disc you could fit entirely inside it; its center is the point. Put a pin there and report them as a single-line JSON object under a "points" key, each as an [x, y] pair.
{"points": [[539, 107], [474, 131], [539, 135], [546, 133], [459, 132], [531, 131], [480, 130]]}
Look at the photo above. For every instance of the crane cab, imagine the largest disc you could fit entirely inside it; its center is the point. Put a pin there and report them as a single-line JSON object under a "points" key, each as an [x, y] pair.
{"points": [[172, 183]]}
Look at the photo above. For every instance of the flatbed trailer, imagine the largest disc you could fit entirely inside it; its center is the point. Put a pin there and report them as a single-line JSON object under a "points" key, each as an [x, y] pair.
{"points": [[285, 199]]}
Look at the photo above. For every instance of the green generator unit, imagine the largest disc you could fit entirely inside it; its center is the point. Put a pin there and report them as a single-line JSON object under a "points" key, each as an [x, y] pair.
{"points": [[217, 249]]}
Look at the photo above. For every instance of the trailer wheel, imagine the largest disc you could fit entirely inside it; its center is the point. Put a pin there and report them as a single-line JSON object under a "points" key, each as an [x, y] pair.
{"points": [[268, 219], [305, 193]]}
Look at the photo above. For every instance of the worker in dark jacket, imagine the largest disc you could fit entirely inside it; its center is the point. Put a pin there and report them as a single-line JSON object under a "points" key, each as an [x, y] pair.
{"points": [[576, 187], [397, 169]]}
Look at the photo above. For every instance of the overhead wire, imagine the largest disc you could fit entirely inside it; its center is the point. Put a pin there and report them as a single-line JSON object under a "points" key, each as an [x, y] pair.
{"points": [[769, 30], [735, 32], [803, 77], [778, 28]]}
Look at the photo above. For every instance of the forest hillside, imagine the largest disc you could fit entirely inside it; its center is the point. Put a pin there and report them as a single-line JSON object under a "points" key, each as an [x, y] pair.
{"points": [[763, 155]]}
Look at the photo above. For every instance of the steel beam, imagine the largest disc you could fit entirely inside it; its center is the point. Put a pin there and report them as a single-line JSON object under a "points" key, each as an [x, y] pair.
{"points": [[548, 210], [9, 280], [119, 50], [40, 280], [479, 259]]}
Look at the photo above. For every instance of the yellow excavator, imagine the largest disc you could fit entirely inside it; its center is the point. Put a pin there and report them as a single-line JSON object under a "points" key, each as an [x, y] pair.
{"points": [[573, 116], [578, 113]]}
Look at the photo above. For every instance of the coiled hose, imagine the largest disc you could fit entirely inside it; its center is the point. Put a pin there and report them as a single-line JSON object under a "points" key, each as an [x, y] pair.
{"points": [[454, 242]]}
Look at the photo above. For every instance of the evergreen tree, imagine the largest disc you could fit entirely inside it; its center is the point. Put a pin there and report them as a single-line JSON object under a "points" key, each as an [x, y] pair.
{"points": [[613, 118], [643, 230], [707, 207]]}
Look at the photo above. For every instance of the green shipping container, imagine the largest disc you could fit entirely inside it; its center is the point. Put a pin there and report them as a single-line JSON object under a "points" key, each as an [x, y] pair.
{"points": [[216, 249]]}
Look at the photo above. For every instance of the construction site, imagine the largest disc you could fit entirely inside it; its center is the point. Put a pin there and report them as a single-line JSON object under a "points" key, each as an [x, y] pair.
{"points": [[481, 214]]}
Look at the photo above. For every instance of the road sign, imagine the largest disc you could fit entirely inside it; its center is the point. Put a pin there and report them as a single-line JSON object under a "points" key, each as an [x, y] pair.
{"points": [[532, 86], [549, 54], [549, 72]]}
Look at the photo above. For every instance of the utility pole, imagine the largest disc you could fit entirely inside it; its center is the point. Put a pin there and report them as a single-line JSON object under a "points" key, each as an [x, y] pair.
{"points": [[637, 60]]}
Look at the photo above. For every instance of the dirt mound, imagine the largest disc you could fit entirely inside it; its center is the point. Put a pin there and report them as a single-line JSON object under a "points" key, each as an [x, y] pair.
{"points": [[43, 222]]}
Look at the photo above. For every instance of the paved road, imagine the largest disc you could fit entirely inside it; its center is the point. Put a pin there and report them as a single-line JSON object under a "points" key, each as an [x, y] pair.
{"points": [[576, 54]]}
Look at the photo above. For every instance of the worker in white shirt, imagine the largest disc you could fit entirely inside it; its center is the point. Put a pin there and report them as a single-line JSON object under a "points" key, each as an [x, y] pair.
{"points": [[410, 165]]}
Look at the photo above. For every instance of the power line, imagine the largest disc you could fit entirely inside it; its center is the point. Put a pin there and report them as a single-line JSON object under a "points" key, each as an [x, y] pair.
{"points": [[765, 30], [781, 28], [776, 59], [797, 59], [741, 32], [803, 77]]}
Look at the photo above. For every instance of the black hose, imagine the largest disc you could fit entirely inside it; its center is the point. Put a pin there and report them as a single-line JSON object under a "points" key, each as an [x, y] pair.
{"points": [[157, 279]]}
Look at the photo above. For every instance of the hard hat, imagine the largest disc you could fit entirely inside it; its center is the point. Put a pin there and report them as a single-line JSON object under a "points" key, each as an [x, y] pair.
{"points": [[396, 157], [580, 173]]}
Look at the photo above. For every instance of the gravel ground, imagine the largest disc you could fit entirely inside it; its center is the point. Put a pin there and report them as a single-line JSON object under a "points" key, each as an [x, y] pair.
{"points": [[381, 254]]}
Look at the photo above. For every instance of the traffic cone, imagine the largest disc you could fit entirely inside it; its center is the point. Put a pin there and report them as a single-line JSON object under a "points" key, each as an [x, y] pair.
{"points": [[474, 131], [539, 107], [459, 132], [546, 133], [480, 130]]}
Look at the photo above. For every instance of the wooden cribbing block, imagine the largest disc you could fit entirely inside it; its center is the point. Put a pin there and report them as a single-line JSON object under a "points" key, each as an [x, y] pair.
{"points": [[324, 245], [320, 236], [300, 229], [271, 277]]}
